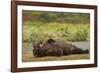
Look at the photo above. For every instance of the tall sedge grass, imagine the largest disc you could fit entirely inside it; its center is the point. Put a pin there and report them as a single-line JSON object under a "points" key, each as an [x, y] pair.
{"points": [[37, 31]]}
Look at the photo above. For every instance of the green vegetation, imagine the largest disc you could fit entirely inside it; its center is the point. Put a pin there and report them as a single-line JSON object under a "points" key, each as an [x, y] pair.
{"points": [[65, 32], [39, 26], [60, 17]]}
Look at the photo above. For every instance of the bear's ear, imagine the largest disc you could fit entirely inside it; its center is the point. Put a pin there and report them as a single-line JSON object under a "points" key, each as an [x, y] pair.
{"points": [[50, 41]]}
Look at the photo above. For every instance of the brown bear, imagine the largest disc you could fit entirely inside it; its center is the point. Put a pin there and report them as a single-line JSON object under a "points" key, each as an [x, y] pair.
{"points": [[55, 48]]}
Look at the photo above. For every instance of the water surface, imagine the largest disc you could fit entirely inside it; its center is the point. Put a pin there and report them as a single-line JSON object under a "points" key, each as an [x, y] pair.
{"points": [[83, 44]]}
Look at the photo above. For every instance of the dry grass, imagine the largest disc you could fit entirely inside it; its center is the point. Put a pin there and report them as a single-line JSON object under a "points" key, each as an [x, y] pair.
{"points": [[54, 58]]}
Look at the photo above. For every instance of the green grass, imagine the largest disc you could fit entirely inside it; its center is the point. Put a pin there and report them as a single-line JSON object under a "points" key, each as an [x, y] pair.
{"points": [[36, 31]]}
